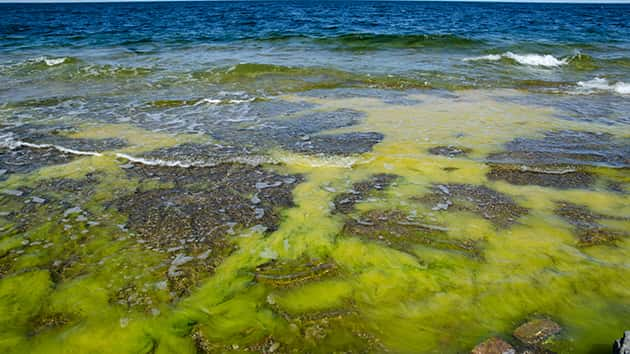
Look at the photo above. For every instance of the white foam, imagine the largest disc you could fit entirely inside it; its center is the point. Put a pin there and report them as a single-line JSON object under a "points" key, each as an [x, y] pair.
{"points": [[545, 60], [489, 57], [8, 141], [164, 163], [54, 61], [249, 160], [49, 61], [601, 84], [215, 101]]}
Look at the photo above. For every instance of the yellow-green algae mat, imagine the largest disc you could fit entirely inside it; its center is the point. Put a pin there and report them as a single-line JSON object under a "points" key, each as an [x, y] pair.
{"points": [[312, 285]]}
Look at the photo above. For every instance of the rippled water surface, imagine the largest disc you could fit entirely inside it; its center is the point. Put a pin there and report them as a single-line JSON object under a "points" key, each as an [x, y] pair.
{"points": [[335, 177]]}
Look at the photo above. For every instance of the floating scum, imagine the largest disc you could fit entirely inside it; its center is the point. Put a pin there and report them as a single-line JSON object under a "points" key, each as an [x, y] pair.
{"points": [[400, 238]]}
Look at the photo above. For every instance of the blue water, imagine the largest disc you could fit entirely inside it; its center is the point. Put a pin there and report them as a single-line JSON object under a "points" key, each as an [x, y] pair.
{"points": [[128, 24]]}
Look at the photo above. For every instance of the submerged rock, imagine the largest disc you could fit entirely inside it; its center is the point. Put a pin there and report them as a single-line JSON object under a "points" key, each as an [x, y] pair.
{"points": [[566, 148], [396, 230], [536, 331], [556, 177], [337, 144], [497, 207], [493, 345], [299, 134], [558, 159], [199, 211], [28, 147], [588, 229], [449, 150], [25, 160], [622, 346], [205, 154], [293, 272], [345, 202]]}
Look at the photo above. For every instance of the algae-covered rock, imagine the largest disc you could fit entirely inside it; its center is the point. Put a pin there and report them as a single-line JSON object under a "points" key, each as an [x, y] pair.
{"points": [[345, 202], [289, 273], [28, 147], [566, 148], [49, 321], [558, 159], [294, 133], [396, 230], [589, 230], [536, 331], [493, 345], [25, 159], [449, 150], [193, 217], [497, 207], [561, 177]]}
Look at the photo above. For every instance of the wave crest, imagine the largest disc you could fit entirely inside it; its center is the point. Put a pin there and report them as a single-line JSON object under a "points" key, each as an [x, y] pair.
{"points": [[545, 60], [601, 84]]}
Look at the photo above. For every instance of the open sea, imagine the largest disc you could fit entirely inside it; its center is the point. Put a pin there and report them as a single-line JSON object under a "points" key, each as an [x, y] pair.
{"points": [[314, 177]]}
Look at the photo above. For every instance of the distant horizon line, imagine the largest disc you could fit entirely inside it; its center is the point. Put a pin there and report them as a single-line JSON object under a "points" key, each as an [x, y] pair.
{"points": [[590, 2]]}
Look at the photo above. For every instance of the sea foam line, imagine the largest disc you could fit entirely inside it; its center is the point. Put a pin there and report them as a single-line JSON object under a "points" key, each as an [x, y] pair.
{"points": [[249, 160], [11, 143], [546, 60], [219, 101], [164, 163]]}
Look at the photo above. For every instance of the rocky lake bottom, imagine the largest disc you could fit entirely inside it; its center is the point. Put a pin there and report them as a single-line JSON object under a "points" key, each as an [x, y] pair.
{"points": [[332, 221]]}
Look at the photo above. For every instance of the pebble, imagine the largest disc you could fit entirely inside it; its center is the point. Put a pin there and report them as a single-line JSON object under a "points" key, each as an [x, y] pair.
{"points": [[13, 192], [536, 331], [38, 200], [71, 211], [493, 345], [263, 185]]}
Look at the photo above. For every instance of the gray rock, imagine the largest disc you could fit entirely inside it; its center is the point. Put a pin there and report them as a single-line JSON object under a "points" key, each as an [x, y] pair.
{"points": [[38, 200], [622, 346], [13, 192]]}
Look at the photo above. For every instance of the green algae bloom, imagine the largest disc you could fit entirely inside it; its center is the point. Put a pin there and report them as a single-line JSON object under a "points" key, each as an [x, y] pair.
{"points": [[419, 241]]}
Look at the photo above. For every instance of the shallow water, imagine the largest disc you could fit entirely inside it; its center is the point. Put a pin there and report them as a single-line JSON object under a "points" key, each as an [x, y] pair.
{"points": [[172, 201]]}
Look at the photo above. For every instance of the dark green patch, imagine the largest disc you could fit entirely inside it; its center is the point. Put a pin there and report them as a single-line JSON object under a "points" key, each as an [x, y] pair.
{"points": [[44, 322], [294, 272], [399, 231]]}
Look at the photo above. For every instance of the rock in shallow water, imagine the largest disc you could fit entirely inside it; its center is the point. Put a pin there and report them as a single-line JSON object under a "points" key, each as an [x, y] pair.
{"points": [[345, 202], [622, 346], [199, 209], [449, 151], [556, 177], [337, 144], [587, 224], [493, 345], [497, 207], [536, 331]]}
